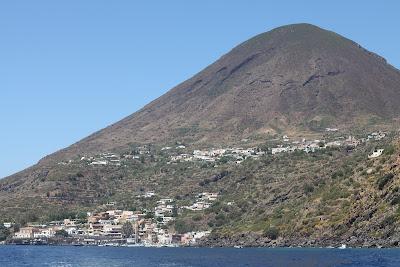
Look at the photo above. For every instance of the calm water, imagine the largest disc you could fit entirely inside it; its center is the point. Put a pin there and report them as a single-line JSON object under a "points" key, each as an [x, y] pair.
{"points": [[196, 257]]}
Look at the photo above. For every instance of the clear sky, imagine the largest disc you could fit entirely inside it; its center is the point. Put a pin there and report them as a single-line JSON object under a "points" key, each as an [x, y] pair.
{"points": [[69, 68]]}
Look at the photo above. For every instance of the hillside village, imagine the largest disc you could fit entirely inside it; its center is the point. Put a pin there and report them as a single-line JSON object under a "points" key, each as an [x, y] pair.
{"points": [[238, 155], [116, 227], [232, 154]]}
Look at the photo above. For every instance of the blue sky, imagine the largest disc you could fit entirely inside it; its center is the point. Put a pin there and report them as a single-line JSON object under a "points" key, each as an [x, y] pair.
{"points": [[69, 68]]}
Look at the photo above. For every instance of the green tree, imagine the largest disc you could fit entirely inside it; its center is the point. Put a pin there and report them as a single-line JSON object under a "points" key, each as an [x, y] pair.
{"points": [[62, 233], [4, 232], [174, 211], [271, 233], [16, 227], [82, 217], [127, 229], [384, 180], [149, 215], [182, 227]]}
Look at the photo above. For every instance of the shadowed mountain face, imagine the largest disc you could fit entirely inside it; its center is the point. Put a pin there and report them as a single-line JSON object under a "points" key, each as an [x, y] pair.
{"points": [[294, 77]]}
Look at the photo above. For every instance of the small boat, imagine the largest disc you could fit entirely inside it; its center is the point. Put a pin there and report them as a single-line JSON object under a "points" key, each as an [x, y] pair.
{"points": [[343, 246], [238, 246], [170, 245], [111, 245]]}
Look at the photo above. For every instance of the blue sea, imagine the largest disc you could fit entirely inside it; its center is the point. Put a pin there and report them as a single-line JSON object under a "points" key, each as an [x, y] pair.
{"points": [[196, 257]]}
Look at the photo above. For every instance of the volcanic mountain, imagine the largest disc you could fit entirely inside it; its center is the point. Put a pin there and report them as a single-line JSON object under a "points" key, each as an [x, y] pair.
{"points": [[294, 79]]}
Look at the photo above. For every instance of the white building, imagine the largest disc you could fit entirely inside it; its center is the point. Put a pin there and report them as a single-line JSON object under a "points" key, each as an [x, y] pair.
{"points": [[99, 162], [7, 224], [148, 194], [114, 231], [208, 196], [44, 233], [376, 153], [199, 205], [277, 150], [25, 233]]}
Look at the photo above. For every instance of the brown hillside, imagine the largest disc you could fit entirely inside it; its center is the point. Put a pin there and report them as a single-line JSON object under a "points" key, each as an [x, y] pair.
{"points": [[293, 77]]}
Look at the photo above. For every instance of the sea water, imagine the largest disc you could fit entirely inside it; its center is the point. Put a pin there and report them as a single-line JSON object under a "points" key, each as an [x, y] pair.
{"points": [[196, 257]]}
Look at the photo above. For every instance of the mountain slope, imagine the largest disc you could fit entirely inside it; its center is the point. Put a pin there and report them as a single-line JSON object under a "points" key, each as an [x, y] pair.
{"points": [[295, 80], [297, 76]]}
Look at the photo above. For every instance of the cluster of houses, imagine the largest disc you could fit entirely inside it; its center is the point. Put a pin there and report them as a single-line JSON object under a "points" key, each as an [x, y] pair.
{"points": [[304, 145], [115, 159], [145, 228], [103, 159], [178, 153], [98, 160], [203, 201], [111, 159], [307, 146], [212, 155], [37, 231], [164, 211], [108, 227], [312, 146]]}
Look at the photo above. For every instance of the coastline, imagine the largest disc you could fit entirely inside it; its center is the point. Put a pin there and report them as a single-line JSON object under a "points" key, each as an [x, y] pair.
{"points": [[214, 240], [341, 246], [253, 240]]}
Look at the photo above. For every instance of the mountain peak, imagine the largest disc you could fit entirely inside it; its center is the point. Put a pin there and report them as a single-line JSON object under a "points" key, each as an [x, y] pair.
{"points": [[297, 77], [309, 35], [300, 26]]}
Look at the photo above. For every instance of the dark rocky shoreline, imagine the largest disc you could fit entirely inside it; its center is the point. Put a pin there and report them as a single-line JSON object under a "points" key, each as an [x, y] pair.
{"points": [[255, 240]]}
